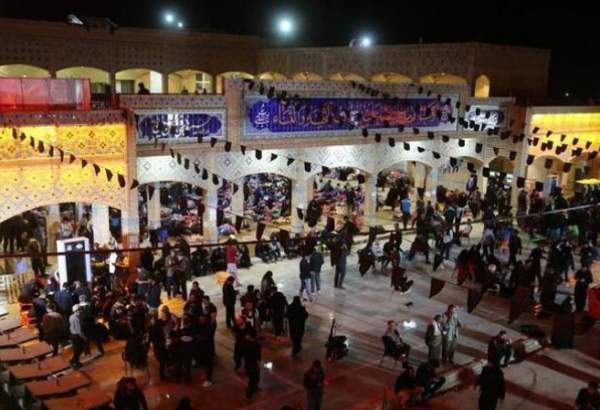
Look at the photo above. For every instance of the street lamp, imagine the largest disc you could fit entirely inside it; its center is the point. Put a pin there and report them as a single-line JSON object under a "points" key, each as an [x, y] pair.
{"points": [[285, 26], [366, 41], [169, 18]]}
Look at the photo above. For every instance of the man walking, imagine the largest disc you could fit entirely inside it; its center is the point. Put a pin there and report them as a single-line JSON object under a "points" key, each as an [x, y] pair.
{"points": [[314, 382], [491, 386], [316, 262], [229, 297], [251, 352], [305, 277], [77, 337], [450, 326], [340, 267]]}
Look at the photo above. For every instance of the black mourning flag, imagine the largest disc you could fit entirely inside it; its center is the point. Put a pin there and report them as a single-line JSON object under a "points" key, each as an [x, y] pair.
{"points": [[406, 146], [360, 178], [535, 130], [258, 154], [416, 131], [473, 299], [445, 138], [592, 155], [530, 159], [121, 180], [453, 162], [51, 151], [548, 134], [325, 170], [365, 132], [96, 168], [235, 188], [243, 149], [471, 167], [109, 174], [562, 138], [512, 155], [40, 146], [197, 168], [84, 163], [400, 127], [213, 141], [178, 158], [134, 184], [204, 174], [566, 167], [435, 155], [539, 186], [536, 140], [496, 150], [520, 182], [72, 158], [172, 153], [478, 148], [150, 191], [307, 167], [436, 287], [588, 144], [186, 163], [377, 137], [290, 161], [461, 142], [575, 141], [421, 149], [392, 142], [430, 135], [227, 146], [215, 179], [273, 157], [486, 172]]}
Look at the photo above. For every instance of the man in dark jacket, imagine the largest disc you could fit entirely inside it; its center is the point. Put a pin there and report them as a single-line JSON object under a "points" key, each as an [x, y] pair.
{"points": [[316, 262], [251, 352], [229, 297], [500, 348], [491, 387], [428, 379], [64, 300], [153, 297], [305, 276]]}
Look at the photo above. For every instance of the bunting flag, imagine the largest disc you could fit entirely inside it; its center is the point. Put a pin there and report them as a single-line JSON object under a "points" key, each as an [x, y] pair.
{"points": [[213, 141], [236, 187], [430, 135], [416, 131], [377, 137], [563, 137], [420, 149], [307, 167], [485, 172], [473, 299], [575, 141], [471, 167], [536, 141], [32, 142], [290, 161], [258, 154], [436, 287], [179, 158], [539, 186], [197, 169], [260, 229], [273, 157], [121, 180], [134, 184], [186, 163], [530, 159], [227, 146], [496, 150], [365, 132], [478, 148], [243, 149], [172, 152], [22, 136], [204, 174], [41, 146], [401, 128], [109, 174], [215, 179], [392, 142], [300, 213], [200, 139], [520, 182], [461, 142], [445, 138], [512, 155], [406, 146], [360, 179], [71, 158], [84, 163], [436, 155], [548, 163], [566, 167], [588, 144], [592, 155], [519, 303], [51, 151]]}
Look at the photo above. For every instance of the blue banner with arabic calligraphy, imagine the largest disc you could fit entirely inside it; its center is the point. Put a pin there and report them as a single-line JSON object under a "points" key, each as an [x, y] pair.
{"points": [[178, 124], [327, 115]]}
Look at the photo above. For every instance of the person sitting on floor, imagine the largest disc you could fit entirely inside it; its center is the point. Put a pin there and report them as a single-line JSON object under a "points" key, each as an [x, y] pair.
{"points": [[499, 349], [407, 390], [428, 379], [401, 348]]}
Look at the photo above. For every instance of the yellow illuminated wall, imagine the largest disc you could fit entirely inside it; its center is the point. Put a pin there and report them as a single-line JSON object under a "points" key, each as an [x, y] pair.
{"points": [[30, 179]]}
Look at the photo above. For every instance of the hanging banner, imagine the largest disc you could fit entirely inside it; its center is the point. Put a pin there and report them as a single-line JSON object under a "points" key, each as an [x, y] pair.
{"points": [[180, 124], [327, 115], [491, 116]]}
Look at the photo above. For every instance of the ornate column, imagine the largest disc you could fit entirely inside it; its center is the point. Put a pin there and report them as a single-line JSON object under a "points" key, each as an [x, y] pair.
{"points": [[154, 207], [237, 199], [52, 223], [100, 224], [369, 189], [209, 219]]}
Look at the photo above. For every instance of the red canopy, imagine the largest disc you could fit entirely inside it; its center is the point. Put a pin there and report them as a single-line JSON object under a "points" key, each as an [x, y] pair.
{"points": [[44, 94]]}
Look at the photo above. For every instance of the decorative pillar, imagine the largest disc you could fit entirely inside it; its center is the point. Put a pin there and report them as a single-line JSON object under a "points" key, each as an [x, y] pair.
{"points": [[369, 189], [100, 224], [237, 199], [302, 191], [153, 205], [52, 223], [209, 219]]}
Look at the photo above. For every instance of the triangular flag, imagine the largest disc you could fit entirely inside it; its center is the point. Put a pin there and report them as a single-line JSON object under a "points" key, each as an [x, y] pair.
{"points": [[471, 167], [14, 133], [186, 163], [406, 146], [530, 159], [51, 151], [392, 142], [588, 144], [461, 142], [96, 168], [83, 163], [172, 152], [512, 155], [72, 158], [566, 167], [227, 146], [536, 140], [243, 149], [400, 127], [258, 154], [179, 158], [575, 141], [204, 174], [365, 132], [520, 182], [485, 172], [32, 142], [430, 135], [41, 146], [592, 155], [307, 166], [62, 154], [22, 136], [325, 170], [109, 174], [213, 141], [215, 179], [445, 138], [478, 148], [134, 184], [562, 138], [236, 187], [121, 180], [420, 149], [436, 155], [273, 157], [290, 161], [436, 287], [496, 150], [548, 163], [473, 299], [377, 137], [197, 169], [539, 186]]}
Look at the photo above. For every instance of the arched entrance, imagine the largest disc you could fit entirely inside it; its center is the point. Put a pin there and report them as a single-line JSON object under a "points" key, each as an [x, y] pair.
{"points": [[220, 83], [499, 182], [23, 70], [346, 77], [271, 75], [482, 87], [391, 78], [307, 76], [442, 78], [128, 81], [190, 82], [99, 79]]}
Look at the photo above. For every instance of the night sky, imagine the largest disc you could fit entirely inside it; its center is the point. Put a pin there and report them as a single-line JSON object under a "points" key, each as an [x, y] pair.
{"points": [[568, 29]]}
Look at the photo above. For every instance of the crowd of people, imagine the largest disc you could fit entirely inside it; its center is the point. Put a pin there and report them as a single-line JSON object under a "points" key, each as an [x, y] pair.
{"points": [[267, 197]]}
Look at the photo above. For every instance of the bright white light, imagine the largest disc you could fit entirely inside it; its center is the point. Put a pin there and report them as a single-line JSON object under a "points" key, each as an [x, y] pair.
{"points": [[366, 41], [409, 324], [180, 24], [567, 94], [169, 18], [286, 26], [268, 365]]}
